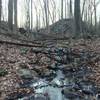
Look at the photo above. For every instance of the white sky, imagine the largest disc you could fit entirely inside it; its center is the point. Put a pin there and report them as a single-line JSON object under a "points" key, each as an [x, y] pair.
{"points": [[21, 11]]}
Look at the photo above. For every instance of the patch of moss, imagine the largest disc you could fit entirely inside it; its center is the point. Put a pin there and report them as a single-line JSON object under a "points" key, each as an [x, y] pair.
{"points": [[3, 72], [23, 50]]}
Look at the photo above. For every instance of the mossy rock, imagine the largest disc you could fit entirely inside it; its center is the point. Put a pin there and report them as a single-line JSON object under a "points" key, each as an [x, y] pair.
{"points": [[3, 72], [25, 73], [23, 50]]}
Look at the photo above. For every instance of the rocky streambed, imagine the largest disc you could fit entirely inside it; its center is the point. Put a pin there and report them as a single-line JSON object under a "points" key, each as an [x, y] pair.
{"points": [[57, 74]]}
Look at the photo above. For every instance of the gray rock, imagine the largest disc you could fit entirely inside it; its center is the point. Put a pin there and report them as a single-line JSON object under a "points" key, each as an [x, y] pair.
{"points": [[70, 94], [45, 60], [26, 73], [41, 97]]}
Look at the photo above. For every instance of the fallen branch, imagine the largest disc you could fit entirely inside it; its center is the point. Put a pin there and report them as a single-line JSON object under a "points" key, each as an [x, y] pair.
{"points": [[20, 44]]}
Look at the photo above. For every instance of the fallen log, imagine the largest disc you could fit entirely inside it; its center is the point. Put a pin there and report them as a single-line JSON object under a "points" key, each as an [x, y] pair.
{"points": [[17, 38], [20, 44]]}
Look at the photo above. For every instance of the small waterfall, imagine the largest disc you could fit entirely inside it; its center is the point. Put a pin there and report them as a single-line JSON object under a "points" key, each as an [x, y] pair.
{"points": [[53, 92]]}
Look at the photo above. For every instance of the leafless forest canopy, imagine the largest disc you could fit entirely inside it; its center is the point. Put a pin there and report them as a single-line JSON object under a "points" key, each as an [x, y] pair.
{"points": [[51, 16]]}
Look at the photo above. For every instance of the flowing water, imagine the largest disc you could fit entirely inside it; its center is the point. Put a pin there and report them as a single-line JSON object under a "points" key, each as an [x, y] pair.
{"points": [[52, 90], [68, 84]]}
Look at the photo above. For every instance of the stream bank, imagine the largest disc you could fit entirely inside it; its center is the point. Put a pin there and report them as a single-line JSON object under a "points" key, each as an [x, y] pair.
{"points": [[56, 74]]}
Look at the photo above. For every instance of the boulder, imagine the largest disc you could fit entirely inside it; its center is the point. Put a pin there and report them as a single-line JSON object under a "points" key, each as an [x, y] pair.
{"points": [[26, 73], [71, 94], [41, 97]]}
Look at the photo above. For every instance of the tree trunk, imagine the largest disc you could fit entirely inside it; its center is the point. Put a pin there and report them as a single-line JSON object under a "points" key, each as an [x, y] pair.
{"points": [[43, 14], [77, 17], [46, 12], [31, 15], [83, 8], [62, 8], [46, 9], [36, 17], [27, 11], [95, 14], [54, 11], [10, 14], [0, 9], [71, 8], [15, 14]]}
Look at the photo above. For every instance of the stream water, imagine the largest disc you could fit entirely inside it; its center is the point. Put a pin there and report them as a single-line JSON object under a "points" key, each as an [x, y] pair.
{"points": [[68, 84], [61, 88], [52, 89]]}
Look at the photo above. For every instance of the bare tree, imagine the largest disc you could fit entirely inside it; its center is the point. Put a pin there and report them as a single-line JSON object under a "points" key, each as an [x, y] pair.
{"points": [[84, 2], [43, 16], [53, 18], [31, 16], [62, 4], [95, 14], [71, 8], [27, 8], [0, 9], [66, 8], [46, 8], [10, 14], [77, 17], [37, 23], [15, 14]]}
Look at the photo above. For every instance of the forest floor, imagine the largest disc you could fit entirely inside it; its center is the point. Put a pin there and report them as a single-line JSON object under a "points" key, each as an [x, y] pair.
{"points": [[19, 64]]}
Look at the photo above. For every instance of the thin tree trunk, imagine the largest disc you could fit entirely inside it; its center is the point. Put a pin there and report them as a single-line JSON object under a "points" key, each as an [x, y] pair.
{"points": [[46, 12], [31, 15], [0, 9], [53, 16], [91, 21], [39, 23], [36, 17], [71, 8], [10, 14], [95, 14], [62, 8], [77, 17], [15, 14], [42, 13], [65, 9], [28, 15], [46, 9], [83, 8]]}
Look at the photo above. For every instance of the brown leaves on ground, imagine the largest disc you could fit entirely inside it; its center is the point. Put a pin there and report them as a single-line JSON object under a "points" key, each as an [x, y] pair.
{"points": [[13, 58]]}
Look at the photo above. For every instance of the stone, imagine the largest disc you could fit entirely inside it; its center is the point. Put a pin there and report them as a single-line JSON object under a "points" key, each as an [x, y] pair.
{"points": [[26, 73], [45, 60], [41, 97], [48, 74], [71, 94], [32, 58], [87, 87], [39, 69], [53, 65], [57, 82]]}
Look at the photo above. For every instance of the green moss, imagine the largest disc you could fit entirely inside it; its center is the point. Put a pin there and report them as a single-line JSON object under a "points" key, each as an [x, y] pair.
{"points": [[3, 72], [23, 50]]}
